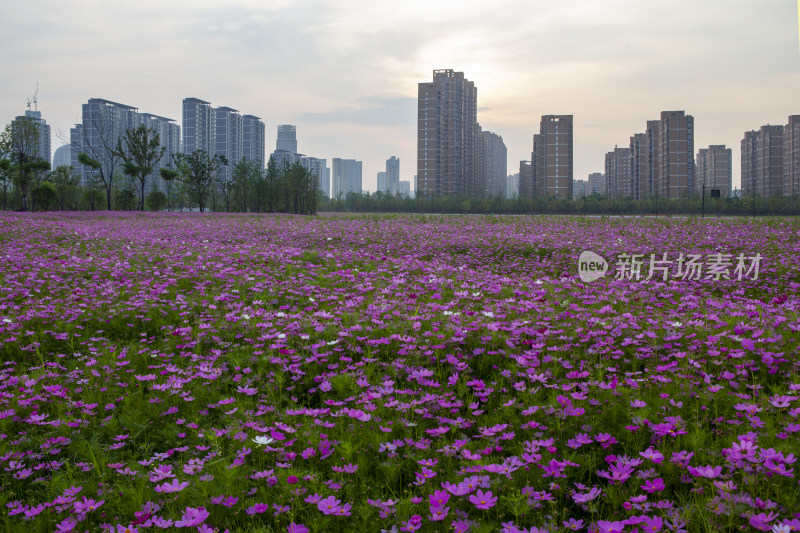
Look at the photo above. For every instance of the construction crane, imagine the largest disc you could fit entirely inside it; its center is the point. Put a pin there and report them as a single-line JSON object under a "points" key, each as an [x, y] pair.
{"points": [[34, 99]]}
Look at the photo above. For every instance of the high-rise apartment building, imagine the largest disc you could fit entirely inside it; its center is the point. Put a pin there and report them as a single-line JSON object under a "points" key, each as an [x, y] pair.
{"points": [[287, 138], [597, 183], [713, 169], [495, 164], [253, 140], [791, 156], [318, 168], [512, 185], [676, 154], [446, 135], [580, 188], [392, 174], [346, 177], [41, 144], [749, 155], [381, 186], [769, 161], [169, 137], [199, 126], [651, 183], [763, 161], [551, 160], [228, 141], [618, 173], [640, 167], [525, 181], [105, 123]]}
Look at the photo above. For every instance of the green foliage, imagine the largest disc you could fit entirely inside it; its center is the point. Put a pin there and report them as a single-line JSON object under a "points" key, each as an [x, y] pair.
{"points": [[125, 199], [156, 200], [197, 172], [45, 196], [140, 150]]}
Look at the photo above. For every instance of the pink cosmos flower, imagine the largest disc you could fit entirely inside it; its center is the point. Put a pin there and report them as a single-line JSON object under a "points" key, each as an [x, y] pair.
{"points": [[483, 500], [710, 472], [439, 498], [438, 513], [587, 497], [296, 528], [611, 527], [192, 517], [87, 505], [329, 505], [653, 485], [174, 486]]}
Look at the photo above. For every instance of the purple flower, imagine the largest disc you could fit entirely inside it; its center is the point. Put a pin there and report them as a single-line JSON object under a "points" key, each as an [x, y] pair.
{"points": [[653, 485], [610, 527], [483, 500], [192, 517], [296, 528], [174, 486], [87, 505], [329, 505], [573, 524], [438, 513], [587, 497], [710, 472]]}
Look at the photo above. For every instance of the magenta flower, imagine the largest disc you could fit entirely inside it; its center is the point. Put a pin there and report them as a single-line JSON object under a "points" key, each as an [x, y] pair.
{"points": [[329, 505], [174, 486], [587, 497], [611, 527], [296, 528], [257, 509], [651, 525], [192, 517], [439, 498], [573, 524], [653, 485], [710, 472], [66, 525], [483, 500], [87, 505], [438, 513]]}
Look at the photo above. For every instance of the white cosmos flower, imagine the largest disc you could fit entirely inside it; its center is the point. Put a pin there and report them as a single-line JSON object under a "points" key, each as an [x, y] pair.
{"points": [[263, 440]]}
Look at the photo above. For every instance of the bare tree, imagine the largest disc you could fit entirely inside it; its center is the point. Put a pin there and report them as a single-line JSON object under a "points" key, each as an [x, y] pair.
{"points": [[141, 153], [99, 140]]}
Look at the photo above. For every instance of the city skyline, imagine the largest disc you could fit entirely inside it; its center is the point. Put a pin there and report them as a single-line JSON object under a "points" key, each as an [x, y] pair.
{"points": [[613, 66]]}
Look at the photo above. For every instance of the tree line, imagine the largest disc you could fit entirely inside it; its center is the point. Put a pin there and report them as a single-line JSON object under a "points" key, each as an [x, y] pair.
{"points": [[122, 175], [121, 171]]}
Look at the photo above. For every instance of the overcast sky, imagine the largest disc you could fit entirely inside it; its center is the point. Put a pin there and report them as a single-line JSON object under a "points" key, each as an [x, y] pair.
{"points": [[346, 71]]}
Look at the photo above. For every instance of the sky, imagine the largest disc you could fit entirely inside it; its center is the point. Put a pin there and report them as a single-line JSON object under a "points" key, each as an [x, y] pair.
{"points": [[346, 71]]}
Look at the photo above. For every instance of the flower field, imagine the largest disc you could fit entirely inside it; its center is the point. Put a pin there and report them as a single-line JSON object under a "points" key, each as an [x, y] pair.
{"points": [[274, 373]]}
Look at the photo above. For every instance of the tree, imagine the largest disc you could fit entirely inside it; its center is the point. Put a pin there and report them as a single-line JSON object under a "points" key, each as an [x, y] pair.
{"points": [[95, 166], [63, 179], [140, 154], [101, 148], [24, 147], [44, 195], [5, 163], [168, 174], [246, 175], [197, 171], [5, 179], [156, 200]]}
